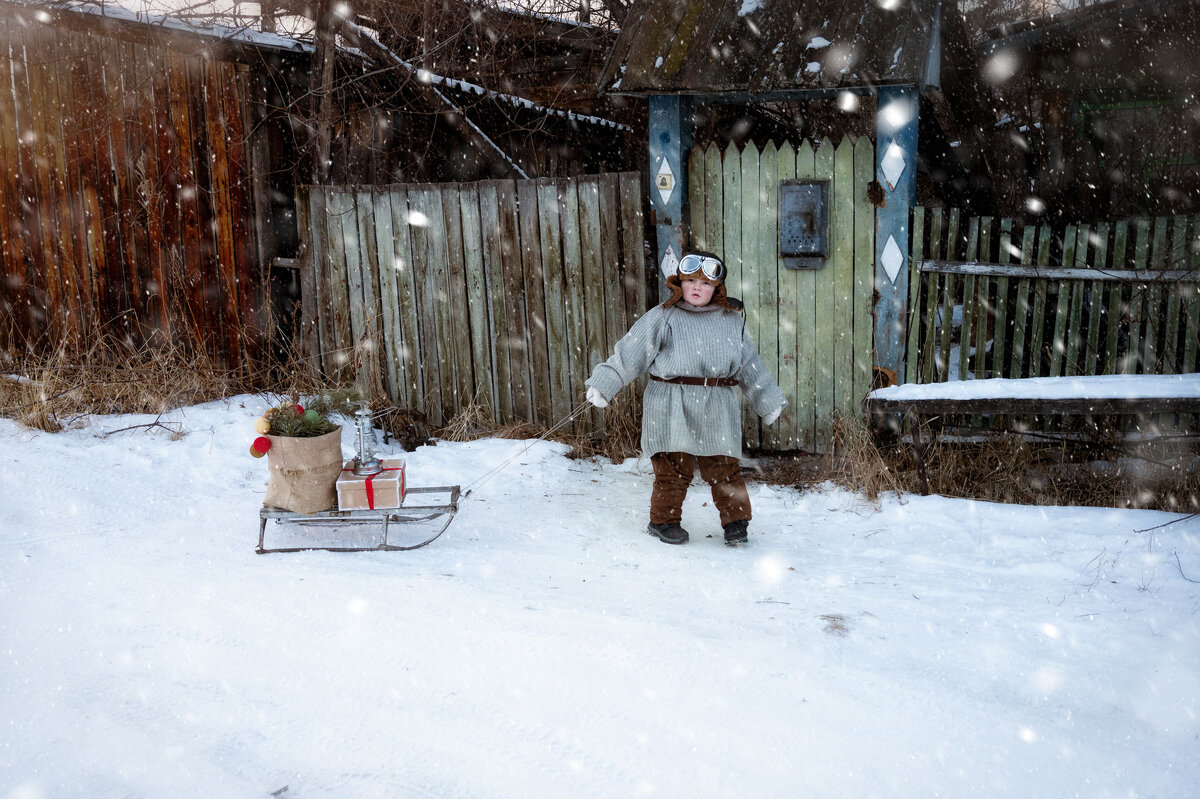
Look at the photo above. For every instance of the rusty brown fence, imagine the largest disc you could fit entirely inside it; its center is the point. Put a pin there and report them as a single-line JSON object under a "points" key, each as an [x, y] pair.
{"points": [[129, 186]]}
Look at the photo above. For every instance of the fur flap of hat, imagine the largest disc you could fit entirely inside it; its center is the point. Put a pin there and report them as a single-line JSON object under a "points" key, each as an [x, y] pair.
{"points": [[720, 296]]}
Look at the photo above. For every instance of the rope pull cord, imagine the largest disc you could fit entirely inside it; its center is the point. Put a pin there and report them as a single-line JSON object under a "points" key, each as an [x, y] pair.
{"points": [[495, 470]]}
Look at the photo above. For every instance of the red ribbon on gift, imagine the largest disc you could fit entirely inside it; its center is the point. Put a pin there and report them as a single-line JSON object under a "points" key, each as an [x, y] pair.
{"points": [[371, 488]]}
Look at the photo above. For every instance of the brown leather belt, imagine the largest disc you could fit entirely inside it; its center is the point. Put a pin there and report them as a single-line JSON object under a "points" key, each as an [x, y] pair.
{"points": [[698, 381]]}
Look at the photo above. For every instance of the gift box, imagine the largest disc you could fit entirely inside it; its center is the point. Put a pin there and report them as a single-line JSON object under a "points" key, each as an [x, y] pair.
{"points": [[374, 491]]}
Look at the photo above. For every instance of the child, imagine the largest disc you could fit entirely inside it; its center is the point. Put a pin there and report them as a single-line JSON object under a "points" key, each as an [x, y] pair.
{"points": [[696, 349]]}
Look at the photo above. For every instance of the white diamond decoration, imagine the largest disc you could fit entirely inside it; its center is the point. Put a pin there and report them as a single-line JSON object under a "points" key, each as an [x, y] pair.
{"points": [[893, 164], [664, 181], [892, 259], [670, 262]]}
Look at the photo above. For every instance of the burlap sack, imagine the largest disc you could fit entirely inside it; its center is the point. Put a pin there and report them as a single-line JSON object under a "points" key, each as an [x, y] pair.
{"points": [[304, 472]]}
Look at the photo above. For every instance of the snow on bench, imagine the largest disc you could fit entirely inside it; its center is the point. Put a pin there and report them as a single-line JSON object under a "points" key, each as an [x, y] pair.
{"points": [[1098, 394]]}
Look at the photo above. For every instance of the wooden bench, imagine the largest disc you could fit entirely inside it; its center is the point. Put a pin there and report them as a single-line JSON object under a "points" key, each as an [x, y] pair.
{"points": [[1085, 395]]}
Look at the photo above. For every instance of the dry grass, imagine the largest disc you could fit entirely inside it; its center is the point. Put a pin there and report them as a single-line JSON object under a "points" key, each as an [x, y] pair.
{"points": [[51, 391], [1100, 471]]}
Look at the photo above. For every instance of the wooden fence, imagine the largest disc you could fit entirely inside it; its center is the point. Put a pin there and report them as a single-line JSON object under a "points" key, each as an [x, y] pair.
{"points": [[503, 293], [813, 327], [1096, 299], [127, 174]]}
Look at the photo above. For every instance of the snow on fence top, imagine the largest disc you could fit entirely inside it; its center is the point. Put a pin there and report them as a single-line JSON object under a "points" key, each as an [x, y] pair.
{"points": [[1098, 387]]}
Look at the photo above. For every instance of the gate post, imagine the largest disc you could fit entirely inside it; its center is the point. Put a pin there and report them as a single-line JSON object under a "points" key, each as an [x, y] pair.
{"points": [[896, 174], [670, 143]]}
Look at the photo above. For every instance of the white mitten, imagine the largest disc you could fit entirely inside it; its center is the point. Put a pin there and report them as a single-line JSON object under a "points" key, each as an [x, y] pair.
{"points": [[595, 397], [771, 417]]}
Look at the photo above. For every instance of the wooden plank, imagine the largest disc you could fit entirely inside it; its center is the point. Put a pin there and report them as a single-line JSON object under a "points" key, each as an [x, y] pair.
{"points": [[1191, 293], [1062, 311], [748, 289], [616, 321], [408, 347], [1176, 259], [48, 276], [308, 338], [60, 86], [984, 308], [221, 222], [558, 340], [768, 278], [1151, 351], [932, 368], [61, 91], [373, 356], [864, 270], [1092, 357], [117, 191], [968, 305], [1078, 290], [207, 264], [255, 181], [1118, 304], [633, 250], [950, 293], [576, 295], [390, 337], [801, 402], [1138, 298], [358, 283], [600, 340], [445, 325], [517, 343], [493, 266], [825, 324], [483, 387], [697, 199], [1021, 321], [789, 307], [251, 274], [425, 283], [841, 261], [1001, 333], [634, 273], [185, 189], [168, 201], [714, 234], [455, 287], [153, 195], [13, 227], [535, 301], [914, 357], [1038, 358], [731, 222]]}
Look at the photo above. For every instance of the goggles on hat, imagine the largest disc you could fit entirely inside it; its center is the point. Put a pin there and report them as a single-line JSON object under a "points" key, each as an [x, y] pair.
{"points": [[712, 268]]}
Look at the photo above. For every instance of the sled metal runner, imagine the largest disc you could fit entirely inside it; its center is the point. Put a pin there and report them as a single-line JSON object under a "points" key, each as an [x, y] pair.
{"points": [[385, 517]]}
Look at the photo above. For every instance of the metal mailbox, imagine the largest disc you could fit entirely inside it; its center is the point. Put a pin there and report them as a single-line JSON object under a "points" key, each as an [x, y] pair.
{"points": [[804, 223]]}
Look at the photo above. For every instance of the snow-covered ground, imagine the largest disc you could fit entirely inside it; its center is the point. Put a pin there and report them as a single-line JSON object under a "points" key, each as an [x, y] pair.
{"points": [[546, 646]]}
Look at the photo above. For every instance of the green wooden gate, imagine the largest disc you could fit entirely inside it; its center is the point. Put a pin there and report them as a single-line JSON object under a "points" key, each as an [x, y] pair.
{"points": [[812, 327]]}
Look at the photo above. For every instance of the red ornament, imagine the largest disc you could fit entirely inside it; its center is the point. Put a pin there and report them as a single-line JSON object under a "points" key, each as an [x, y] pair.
{"points": [[299, 409], [261, 444]]}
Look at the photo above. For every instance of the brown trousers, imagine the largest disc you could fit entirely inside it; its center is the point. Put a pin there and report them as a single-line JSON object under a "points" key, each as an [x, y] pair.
{"points": [[673, 474]]}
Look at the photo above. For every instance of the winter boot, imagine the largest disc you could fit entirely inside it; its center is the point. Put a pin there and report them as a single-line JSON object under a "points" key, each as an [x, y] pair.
{"points": [[668, 533], [735, 532]]}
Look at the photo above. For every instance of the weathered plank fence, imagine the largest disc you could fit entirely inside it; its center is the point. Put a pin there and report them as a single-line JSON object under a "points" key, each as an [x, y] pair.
{"points": [[502, 293], [813, 327], [1000, 301]]}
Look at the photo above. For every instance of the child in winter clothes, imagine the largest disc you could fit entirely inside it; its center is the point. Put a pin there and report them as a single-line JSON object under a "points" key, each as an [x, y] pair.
{"points": [[696, 350]]}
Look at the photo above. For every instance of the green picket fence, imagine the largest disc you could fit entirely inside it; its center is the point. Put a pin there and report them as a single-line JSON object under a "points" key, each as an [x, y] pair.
{"points": [[991, 298]]}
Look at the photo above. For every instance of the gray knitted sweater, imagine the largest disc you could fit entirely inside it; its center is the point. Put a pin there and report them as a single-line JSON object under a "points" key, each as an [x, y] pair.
{"points": [[689, 341]]}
